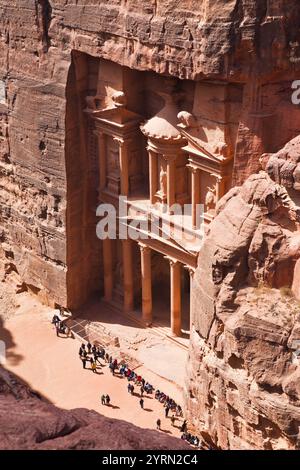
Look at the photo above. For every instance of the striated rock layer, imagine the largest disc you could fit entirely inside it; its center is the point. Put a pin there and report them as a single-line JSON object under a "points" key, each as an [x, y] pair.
{"points": [[243, 374], [28, 422]]}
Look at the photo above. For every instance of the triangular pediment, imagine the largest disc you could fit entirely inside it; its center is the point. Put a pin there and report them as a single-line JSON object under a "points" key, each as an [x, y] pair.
{"points": [[198, 148], [117, 115]]}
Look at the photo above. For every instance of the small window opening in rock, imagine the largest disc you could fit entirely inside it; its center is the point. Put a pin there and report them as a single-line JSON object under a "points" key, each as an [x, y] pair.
{"points": [[42, 146], [236, 362]]}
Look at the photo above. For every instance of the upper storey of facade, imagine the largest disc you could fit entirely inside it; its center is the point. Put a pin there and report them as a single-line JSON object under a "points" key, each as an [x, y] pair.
{"points": [[163, 143]]}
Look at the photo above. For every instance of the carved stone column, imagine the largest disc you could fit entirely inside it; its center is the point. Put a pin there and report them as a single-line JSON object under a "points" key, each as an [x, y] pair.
{"points": [[108, 269], [102, 159], [146, 283], [128, 275], [175, 267], [171, 181], [195, 197], [124, 170], [191, 273], [153, 172]]}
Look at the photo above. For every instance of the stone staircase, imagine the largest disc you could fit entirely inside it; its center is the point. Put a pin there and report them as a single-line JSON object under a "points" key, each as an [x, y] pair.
{"points": [[155, 328], [95, 332]]}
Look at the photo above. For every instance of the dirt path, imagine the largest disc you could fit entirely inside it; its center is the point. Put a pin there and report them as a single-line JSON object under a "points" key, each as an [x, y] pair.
{"points": [[51, 366]]}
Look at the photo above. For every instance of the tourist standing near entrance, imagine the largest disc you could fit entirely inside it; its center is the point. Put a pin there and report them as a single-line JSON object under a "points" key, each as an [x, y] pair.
{"points": [[184, 426]]}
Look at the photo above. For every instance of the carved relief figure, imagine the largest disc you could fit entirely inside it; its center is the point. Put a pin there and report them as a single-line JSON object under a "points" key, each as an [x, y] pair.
{"points": [[113, 166], [163, 182], [211, 199]]}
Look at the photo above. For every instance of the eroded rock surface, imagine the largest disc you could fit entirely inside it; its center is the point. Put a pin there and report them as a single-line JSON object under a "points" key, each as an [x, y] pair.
{"points": [[243, 380], [28, 421]]}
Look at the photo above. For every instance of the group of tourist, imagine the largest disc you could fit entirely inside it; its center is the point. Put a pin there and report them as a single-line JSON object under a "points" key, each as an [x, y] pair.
{"points": [[93, 355], [169, 404], [193, 440], [105, 400], [60, 326]]}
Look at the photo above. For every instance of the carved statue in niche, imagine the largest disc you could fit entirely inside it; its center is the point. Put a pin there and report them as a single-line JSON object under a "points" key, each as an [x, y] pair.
{"points": [[119, 99], [211, 199], [113, 165], [163, 182], [186, 120]]}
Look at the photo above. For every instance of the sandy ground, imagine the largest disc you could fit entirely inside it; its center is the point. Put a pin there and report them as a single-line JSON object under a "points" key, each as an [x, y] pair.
{"points": [[157, 353], [51, 366]]}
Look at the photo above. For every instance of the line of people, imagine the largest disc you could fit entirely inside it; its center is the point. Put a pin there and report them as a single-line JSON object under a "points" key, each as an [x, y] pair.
{"points": [[94, 354]]}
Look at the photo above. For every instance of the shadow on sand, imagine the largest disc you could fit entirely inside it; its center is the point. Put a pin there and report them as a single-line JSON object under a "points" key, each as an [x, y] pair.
{"points": [[6, 336]]}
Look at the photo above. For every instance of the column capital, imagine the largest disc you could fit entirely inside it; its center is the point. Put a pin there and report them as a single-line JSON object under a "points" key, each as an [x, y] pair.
{"points": [[172, 261], [119, 141], [193, 169], [144, 248], [190, 269], [169, 158], [99, 133], [151, 150]]}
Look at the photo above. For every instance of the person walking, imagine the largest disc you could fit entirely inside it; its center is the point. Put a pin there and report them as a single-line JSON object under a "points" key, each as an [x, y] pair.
{"points": [[132, 390], [106, 357], [167, 409], [57, 328], [83, 362], [94, 367], [129, 388], [142, 403], [173, 420], [142, 391], [103, 399], [89, 347], [55, 319], [158, 424], [107, 399], [183, 426]]}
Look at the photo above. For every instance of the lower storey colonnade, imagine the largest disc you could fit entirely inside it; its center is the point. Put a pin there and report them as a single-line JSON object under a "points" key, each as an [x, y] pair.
{"points": [[129, 277]]}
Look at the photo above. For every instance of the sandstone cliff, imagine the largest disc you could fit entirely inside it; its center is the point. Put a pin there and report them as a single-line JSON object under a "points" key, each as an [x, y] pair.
{"points": [[243, 379], [28, 422]]}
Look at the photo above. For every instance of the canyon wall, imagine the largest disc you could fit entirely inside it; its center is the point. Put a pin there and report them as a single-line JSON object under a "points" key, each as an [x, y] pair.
{"points": [[243, 372]]}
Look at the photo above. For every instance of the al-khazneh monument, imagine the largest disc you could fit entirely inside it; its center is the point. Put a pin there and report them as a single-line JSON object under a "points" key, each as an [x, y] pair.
{"points": [[165, 102]]}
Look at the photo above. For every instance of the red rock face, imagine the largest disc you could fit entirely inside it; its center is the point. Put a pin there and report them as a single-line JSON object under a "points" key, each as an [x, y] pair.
{"points": [[242, 386]]}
